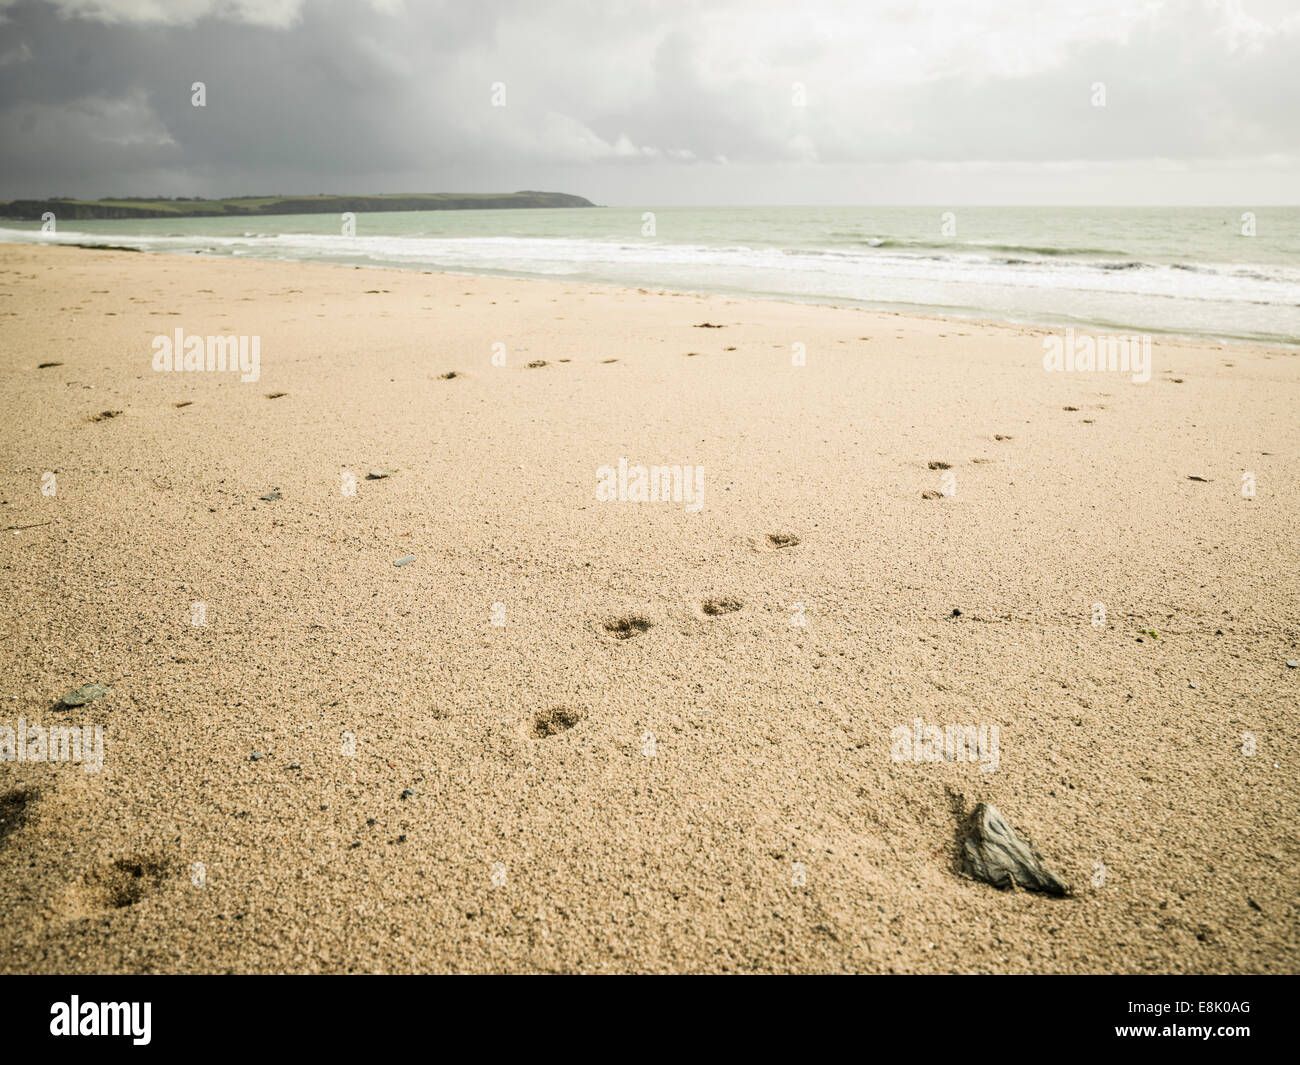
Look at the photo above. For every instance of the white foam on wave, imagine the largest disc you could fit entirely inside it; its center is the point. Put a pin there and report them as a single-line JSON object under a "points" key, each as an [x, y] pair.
{"points": [[1224, 300]]}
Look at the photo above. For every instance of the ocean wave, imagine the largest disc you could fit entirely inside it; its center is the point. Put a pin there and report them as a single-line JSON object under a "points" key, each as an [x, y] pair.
{"points": [[1050, 251], [1204, 298]]}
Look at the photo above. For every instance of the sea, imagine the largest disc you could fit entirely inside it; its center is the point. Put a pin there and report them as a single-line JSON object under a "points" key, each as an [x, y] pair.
{"points": [[1226, 273]]}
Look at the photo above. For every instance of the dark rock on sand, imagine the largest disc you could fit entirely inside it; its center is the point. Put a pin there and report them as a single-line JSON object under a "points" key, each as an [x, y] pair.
{"points": [[992, 852]]}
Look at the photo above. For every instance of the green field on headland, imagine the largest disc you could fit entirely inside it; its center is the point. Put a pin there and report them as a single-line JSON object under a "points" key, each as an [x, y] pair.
{"points": [[130, 207]]}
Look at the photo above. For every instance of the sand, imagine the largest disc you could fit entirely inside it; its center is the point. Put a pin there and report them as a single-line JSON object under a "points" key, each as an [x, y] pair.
{"points": [[698, 790]]}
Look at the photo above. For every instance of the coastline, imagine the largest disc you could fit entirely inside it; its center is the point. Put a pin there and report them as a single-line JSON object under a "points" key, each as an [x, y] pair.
{"points": [[1030, 269], [771, 741]]}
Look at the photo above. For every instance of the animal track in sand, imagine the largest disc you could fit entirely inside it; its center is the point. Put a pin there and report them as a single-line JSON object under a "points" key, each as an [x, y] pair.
{"points": [[548, 723], [124, 882], [15, 809], [717, 607], [626, 627], [780, 540], [937, 465], [104, 415], [930, 493]]}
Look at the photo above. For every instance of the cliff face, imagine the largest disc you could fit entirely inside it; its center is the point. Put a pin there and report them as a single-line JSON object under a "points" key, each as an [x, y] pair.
{"points": [[65, 210]]}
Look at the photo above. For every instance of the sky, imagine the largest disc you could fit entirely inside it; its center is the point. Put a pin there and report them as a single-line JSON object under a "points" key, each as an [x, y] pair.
{"points": [[657, 103]]}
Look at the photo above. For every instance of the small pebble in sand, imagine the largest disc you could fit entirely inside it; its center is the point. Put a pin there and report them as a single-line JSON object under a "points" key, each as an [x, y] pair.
{"points": [[257, 756], [270, 496], [379, 475], [1291, 663], [956, 612], [405, 560], [1197, 477], [87, 693], [408, 793]]}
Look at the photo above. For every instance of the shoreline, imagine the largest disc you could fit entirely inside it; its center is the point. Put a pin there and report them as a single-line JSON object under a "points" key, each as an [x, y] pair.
{"points": [[1041, 326]]}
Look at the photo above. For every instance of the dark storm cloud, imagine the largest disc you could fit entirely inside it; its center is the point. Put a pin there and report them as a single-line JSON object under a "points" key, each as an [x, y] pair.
{"points": [[616, 99]]}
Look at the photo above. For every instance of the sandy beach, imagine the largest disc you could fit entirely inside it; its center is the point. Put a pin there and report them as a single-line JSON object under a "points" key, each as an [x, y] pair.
{"points": [[586, 734]]}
